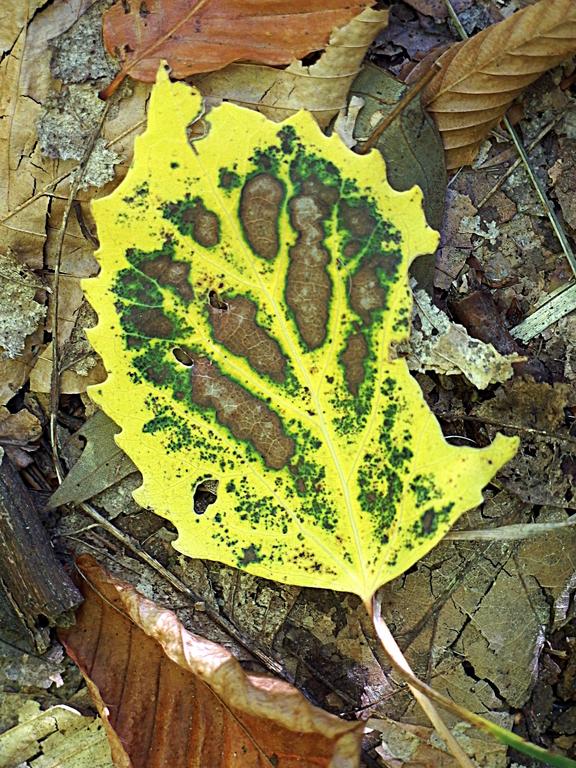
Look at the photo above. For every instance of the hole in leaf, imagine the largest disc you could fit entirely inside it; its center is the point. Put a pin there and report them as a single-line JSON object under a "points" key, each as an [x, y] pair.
{"points": [[183, 356], [204, 495], [311, 58], [216, 301]]}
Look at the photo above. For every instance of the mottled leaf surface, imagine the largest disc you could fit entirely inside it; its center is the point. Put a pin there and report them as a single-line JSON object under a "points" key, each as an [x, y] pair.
{"points": [[250, 290]]}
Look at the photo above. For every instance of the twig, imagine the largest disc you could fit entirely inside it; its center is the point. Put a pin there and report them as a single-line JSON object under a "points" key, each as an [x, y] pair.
{"points": [[55, 373], [381, 126], [534, 143]]}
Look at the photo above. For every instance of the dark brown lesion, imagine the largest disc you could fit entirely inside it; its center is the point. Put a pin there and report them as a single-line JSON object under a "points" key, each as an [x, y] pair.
{"points": [[170, 273], [308, 286], [367, 294], [260, 204], [193, 218], [357, 219], [234, 325], [353, 359], [151, 323], [247, 417]]}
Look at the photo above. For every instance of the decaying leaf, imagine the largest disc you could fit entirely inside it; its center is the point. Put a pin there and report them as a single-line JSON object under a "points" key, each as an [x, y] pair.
{"points": [[480, 77], [445, 347], [20, 313], [101, 464], [544, 469], [59, 736], [321, 88], [186, 701], [411, 145], [249, 293], [205, 36]]}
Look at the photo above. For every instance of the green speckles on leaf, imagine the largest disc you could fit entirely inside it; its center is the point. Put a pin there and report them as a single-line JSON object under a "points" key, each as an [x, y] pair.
{"points": [[251, 294]]}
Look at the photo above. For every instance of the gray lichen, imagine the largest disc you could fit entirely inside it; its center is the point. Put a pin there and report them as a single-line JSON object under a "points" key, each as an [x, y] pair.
{"points": [[20, 313]]}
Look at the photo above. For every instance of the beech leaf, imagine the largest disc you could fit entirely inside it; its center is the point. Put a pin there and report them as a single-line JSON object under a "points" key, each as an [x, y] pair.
{"points": [[251, 287], [170, 697], [204, 36], [481, 77]]}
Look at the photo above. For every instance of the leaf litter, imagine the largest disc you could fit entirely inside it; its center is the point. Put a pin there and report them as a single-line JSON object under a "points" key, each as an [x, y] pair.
{"points": [[340, 642]]}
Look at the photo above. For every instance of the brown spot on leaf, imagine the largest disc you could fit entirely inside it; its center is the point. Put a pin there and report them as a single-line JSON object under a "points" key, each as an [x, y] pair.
{"points": [[366, 290], [152, 322], [193, 218], [357, 219], [170, 273], [247, 417], [260, 204], [353, 359], [308, 287], [236, 328]]}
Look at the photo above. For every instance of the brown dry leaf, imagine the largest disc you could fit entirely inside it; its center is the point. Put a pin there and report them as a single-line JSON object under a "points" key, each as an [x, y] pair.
{"points": [[208, 35], [24, 83], [169, 697], [321, 88], [18, 428], [481, 77], [544, 469]]}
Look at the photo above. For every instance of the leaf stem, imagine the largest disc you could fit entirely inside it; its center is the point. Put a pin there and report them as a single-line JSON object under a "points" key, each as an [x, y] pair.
{"points": [[398, 660], [503, 735]]}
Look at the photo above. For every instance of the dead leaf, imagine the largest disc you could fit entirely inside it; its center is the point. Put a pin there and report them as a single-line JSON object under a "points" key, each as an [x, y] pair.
{"points": [[169, 697], [544, 469], [405, 745], [57, 736], [321, 88], [445, 347], [410, 145], [101, 464], [210, 35], [18, 428], [20, 313], [24, 83], [481, 77]]}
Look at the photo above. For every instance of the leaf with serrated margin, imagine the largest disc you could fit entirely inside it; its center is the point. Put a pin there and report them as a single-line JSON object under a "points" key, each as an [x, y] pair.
{"points": [[250, 289]]}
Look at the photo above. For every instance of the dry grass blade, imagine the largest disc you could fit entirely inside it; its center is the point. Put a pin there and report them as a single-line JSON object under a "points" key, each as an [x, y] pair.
{"points": [[481, 77]]}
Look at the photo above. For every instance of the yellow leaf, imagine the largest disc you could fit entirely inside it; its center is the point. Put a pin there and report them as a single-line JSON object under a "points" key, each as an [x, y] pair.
{"points": [[251, 287]]}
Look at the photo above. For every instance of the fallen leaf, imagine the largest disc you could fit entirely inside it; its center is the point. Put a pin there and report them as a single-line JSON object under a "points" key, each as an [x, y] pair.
{"points": [[18, 428], [539, 473], [170, 697], [410, 145], [321, 88], [24, 84], [445, 347], [241, 342], [20, 312], [480, 78], [101, 464], [210, 35], [58, 736]]}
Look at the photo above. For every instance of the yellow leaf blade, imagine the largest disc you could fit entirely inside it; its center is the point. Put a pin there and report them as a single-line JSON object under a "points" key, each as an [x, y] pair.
{"points": [[251, 287]]}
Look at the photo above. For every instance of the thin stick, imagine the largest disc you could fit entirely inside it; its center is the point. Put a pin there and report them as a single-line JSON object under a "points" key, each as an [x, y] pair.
{"points": [[394, 653], [55, 373], [381, 126]]}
